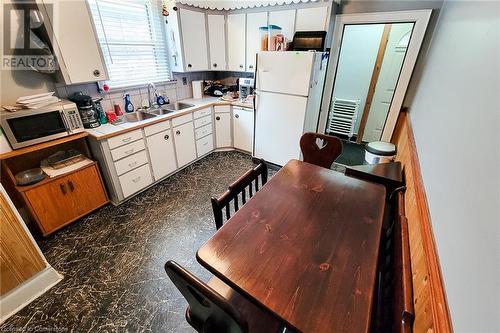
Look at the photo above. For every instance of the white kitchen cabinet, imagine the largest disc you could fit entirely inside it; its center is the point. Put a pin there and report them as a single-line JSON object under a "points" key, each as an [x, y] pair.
{"points": [[185, 145], [312, 19], [161, 154], [284, 19], [243, 128], [81, 62], [236, 42], [223, 130], [194, 38], [217, 41], [254, 22]]}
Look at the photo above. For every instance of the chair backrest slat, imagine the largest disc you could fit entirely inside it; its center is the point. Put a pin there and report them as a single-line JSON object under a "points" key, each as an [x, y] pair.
{"points": [[236, 189], [208, 311], [322, 156]]}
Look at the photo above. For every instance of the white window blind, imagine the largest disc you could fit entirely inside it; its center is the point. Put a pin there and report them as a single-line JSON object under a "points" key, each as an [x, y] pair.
{"points": [[133, 40]]}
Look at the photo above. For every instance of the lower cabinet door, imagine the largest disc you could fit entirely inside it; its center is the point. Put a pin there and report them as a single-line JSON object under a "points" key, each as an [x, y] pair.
{"points": [[243, 129], [135, 180], [65, 199], [185, 146], [161, 154], [223, 130]]}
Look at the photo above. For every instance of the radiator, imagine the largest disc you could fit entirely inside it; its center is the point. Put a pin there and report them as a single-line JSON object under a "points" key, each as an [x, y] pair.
{"points": [[343, 116]]}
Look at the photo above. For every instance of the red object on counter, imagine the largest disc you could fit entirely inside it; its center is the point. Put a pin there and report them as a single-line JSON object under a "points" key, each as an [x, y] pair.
{"points": [[118, 110], [111, 115]]}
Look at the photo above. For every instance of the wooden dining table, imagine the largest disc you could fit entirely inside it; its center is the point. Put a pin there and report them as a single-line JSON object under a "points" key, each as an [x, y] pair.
{"points": [[305, 248]]}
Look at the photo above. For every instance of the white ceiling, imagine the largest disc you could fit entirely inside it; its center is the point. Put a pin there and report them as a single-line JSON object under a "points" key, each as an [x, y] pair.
{"points": [[240, 4]]}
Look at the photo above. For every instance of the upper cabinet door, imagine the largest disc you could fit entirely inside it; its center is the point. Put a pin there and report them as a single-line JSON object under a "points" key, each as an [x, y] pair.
{"points": [[194, 37], [75, 42], [236, 42], [254, 22], [312, 19], [284, 19], [217, 41]]}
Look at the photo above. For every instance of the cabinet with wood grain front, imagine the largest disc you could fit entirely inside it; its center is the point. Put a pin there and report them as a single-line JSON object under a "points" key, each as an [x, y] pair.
{"points": [[57, 201]]}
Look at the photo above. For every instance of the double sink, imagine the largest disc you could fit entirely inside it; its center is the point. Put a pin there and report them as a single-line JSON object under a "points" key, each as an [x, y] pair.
{"points": [[152, 112]]}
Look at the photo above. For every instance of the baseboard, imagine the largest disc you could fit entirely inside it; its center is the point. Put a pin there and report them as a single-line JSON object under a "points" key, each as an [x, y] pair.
{"points": [[31, 289]]}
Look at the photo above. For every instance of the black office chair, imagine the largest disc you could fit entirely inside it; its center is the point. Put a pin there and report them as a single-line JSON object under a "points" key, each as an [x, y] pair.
{"points": [[210, 312], [248, 182]]}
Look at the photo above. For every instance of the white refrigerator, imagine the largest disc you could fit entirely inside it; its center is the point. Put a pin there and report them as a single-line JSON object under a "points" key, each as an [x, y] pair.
{"points": [[288, 92]]}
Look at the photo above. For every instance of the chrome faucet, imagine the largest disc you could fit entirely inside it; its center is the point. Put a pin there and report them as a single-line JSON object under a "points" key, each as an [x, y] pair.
{"points": [[151, 101]]}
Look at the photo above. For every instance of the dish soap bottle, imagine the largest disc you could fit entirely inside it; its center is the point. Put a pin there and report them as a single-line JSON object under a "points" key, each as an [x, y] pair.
{"points": [[129, 107], [160, 100]]}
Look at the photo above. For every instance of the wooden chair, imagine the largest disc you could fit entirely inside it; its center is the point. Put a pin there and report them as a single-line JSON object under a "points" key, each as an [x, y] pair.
{"points": [[248, 182], [324, 156], [216, 308]]}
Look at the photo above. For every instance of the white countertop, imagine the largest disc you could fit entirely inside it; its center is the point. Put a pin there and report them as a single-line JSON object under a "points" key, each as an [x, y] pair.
{"points": [[108, 130]]}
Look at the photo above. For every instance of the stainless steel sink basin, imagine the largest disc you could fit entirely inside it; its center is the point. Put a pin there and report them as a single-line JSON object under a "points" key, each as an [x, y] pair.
{"points": [[161, 111], [178, 106], [133, 117]]}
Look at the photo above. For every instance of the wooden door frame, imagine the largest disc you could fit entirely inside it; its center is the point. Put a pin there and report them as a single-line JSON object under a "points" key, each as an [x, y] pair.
{"points": [[373, 82], [420, 18]]}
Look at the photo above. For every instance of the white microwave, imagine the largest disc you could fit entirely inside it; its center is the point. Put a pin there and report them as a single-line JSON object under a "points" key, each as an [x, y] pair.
{"points": [[28, 127]]}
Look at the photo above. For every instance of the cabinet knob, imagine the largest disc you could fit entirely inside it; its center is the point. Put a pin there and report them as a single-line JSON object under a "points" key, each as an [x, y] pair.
{"points": [[241, 66], [217, 118], [96, 73], [63, 188], [71, 186], [251, 66], [215, 65], [236, 115], [189, 65], [166, 137], [178, 132]]}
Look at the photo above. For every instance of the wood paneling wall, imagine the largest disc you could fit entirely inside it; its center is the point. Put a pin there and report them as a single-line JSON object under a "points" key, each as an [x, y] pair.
{"points": [[431, 308], [19, 258]]}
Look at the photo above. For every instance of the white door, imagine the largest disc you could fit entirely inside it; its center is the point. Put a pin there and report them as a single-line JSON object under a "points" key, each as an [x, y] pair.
{"points": [[284, 19], [194, 37], [223, 130], [84, 62], [236, 42], [161, 153], [285, 72], [185, 146], [392, 62], [279, 124], [254, 22], [243, 129], [312, 19], [217, 41]]}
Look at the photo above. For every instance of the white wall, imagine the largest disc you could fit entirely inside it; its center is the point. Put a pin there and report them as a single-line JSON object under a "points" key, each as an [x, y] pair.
{"points": [[456, 119], [358, 54]]}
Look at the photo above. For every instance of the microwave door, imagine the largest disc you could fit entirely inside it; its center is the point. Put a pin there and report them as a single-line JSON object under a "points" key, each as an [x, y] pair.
{"points": [[35, 128]]}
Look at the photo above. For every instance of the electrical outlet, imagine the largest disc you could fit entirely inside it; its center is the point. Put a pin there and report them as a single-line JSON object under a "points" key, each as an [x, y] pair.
{"points": [[184, 81]]}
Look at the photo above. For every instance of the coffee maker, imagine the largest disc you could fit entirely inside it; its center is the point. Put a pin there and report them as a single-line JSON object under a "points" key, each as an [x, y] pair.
{"points": [[86, 107], [245, 87]]}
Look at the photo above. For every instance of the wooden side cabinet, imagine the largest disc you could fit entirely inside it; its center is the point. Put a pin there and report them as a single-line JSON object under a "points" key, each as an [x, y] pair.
{"points": [[54, 202], [64, 200]]}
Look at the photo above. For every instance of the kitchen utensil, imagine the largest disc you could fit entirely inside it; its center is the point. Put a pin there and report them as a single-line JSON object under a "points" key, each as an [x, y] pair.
{"points": [[29, 177]]}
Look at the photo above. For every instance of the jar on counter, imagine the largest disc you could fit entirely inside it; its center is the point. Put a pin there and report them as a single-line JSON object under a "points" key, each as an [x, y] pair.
{"points": [[274, 31], [264, 38]]}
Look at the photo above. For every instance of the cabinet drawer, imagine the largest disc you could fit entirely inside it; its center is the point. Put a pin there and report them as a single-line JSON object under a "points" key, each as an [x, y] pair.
{"points": [[125, 138], [156, 128], [203, 131], [128, 163], [202, 121], [135, 180], [202, 113], [182, 119], [127, 150], [205, 145], [222, 108]]}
